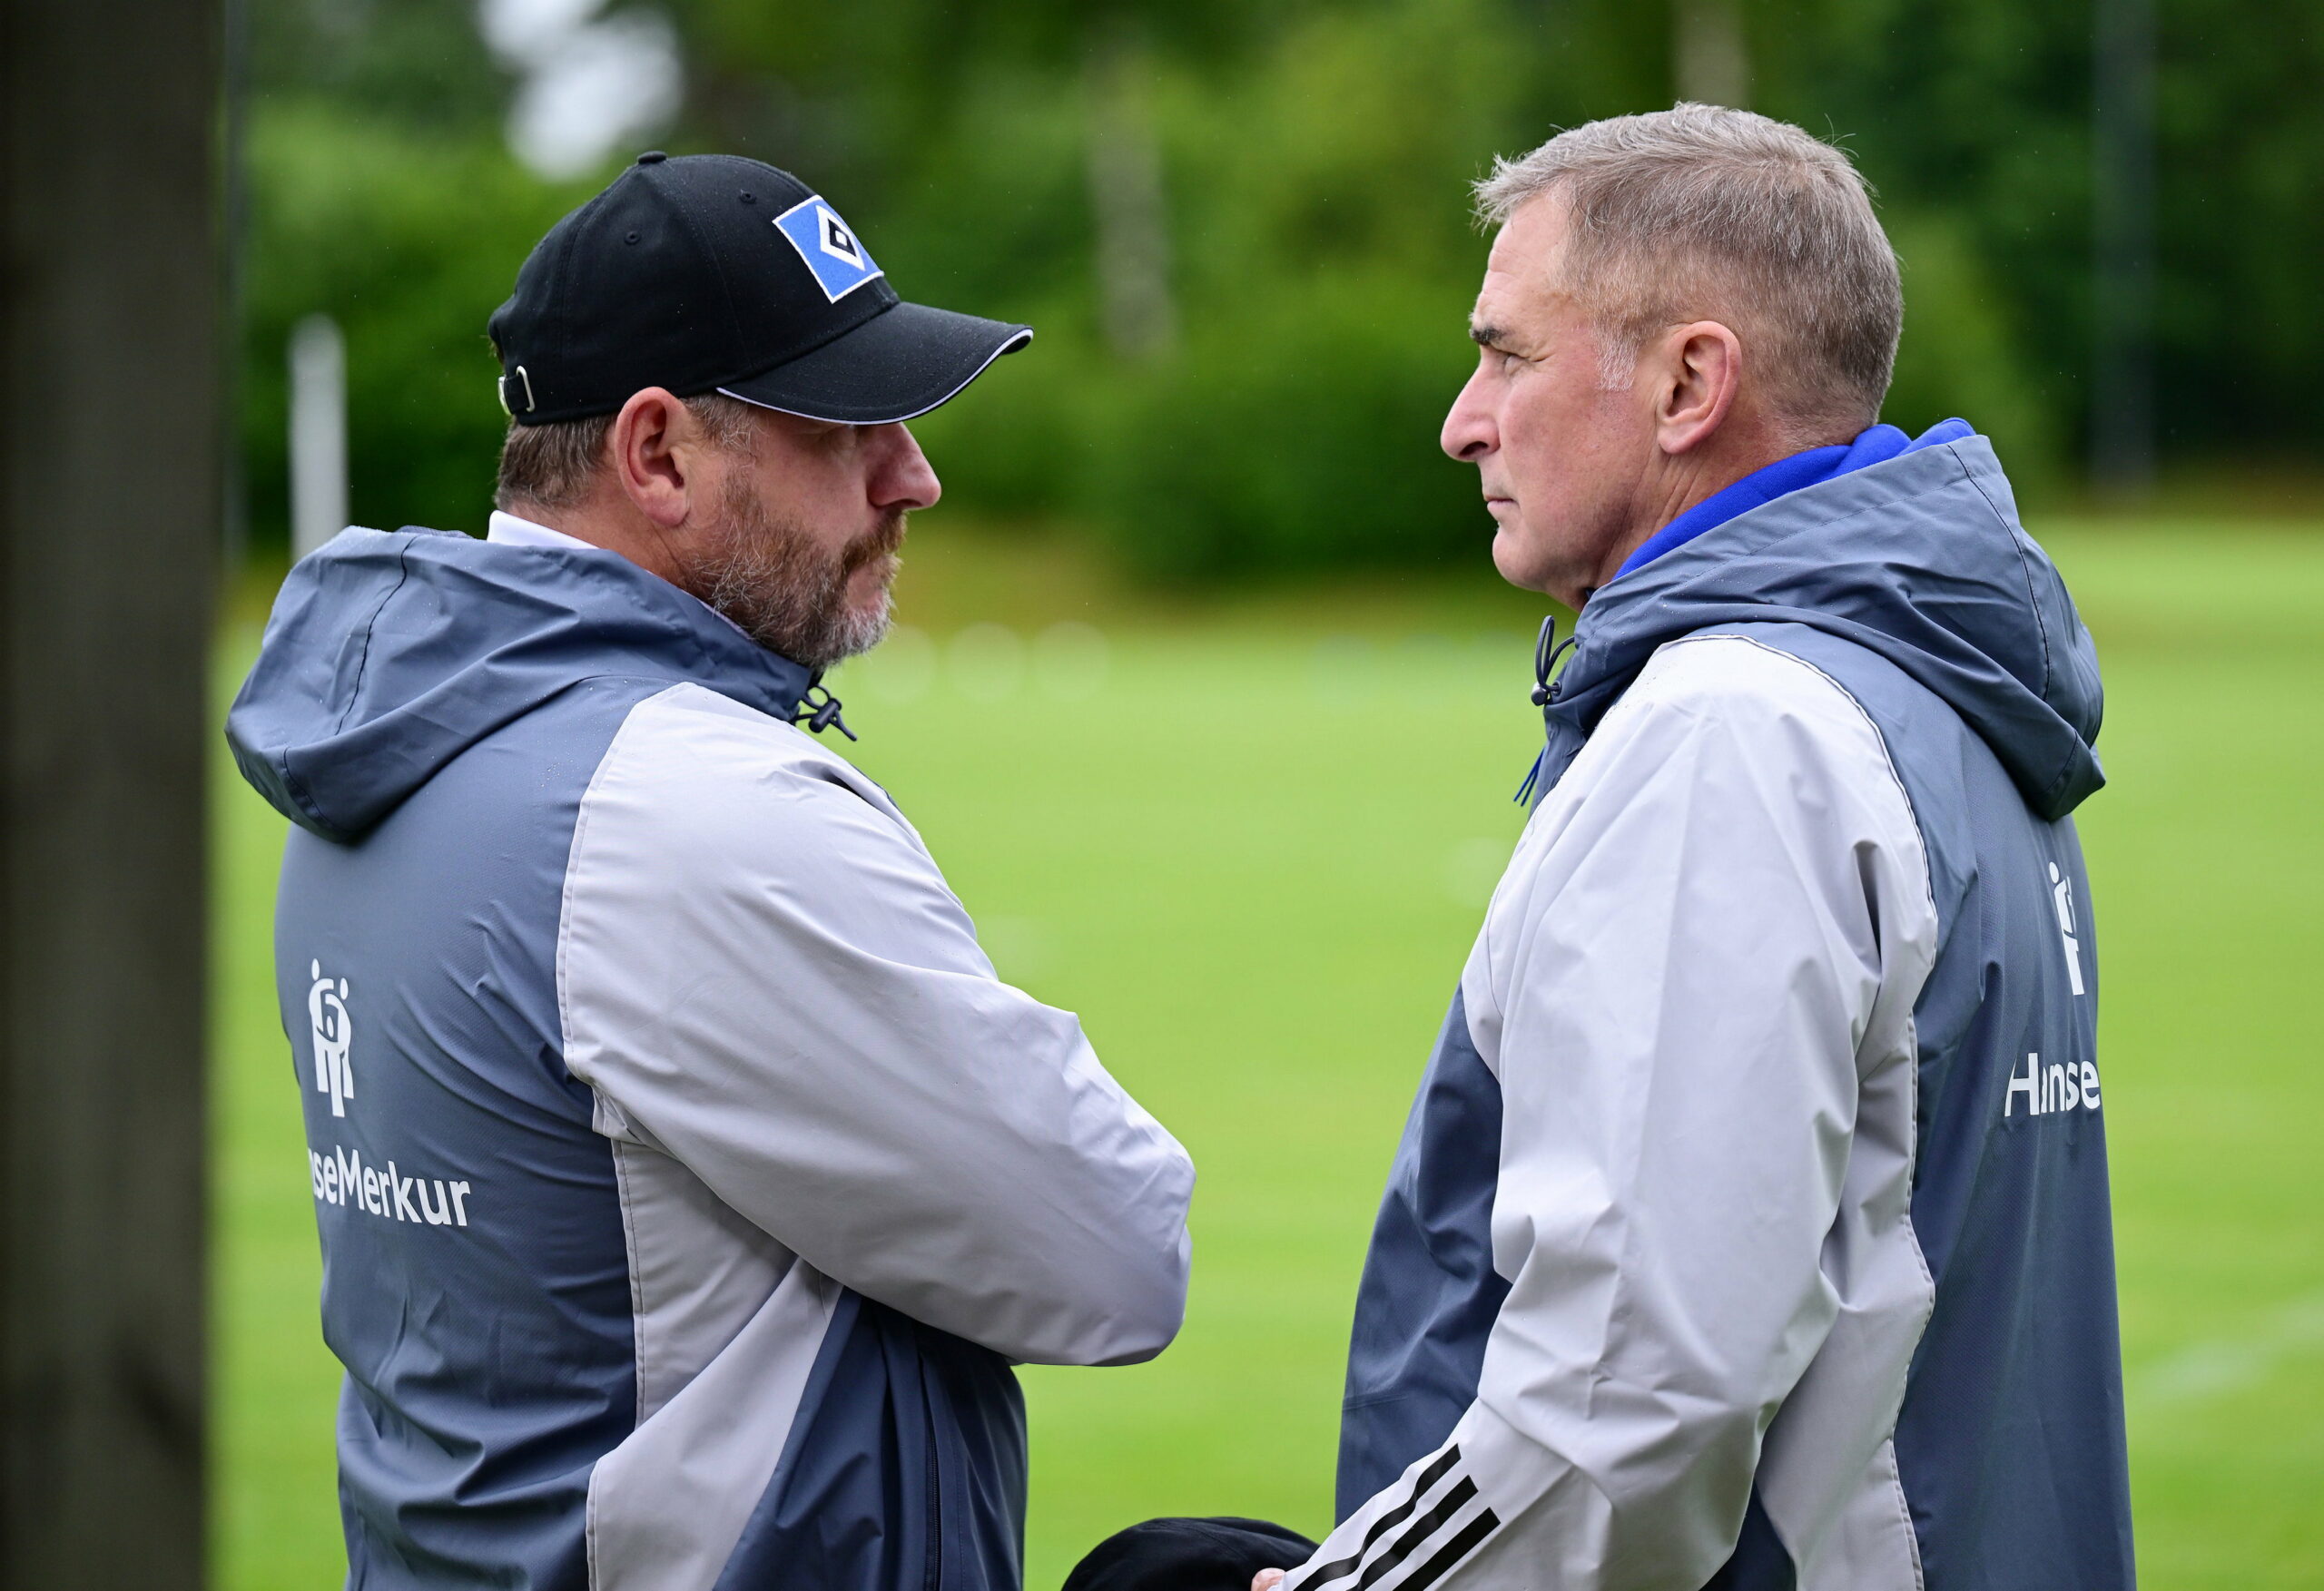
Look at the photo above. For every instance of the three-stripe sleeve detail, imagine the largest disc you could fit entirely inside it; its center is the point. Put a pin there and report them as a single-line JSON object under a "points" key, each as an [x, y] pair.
{"points": [[1386, 1522], [1384, 1552]]}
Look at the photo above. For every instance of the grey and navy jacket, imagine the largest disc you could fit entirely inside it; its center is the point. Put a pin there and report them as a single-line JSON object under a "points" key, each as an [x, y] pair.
{"points": [[1751, 1228], [687, 1180]]}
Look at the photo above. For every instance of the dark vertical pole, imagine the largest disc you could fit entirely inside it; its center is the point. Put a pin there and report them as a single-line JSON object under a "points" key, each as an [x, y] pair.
{"points": [[234, 230], [2121, 410], [109, 509]]}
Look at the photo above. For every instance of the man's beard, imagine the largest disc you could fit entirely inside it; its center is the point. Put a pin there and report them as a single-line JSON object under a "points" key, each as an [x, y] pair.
{"points": [[768, 575]]}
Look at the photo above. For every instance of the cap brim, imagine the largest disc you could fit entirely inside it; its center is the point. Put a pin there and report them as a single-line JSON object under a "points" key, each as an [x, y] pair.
{"points": [[896, 366]]}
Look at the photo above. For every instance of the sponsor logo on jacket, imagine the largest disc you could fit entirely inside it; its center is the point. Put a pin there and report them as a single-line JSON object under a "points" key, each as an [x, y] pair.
{"points": [[2061, 901], [341, 1178], [334, 1033], [2073, 1085], [339, 1175]]}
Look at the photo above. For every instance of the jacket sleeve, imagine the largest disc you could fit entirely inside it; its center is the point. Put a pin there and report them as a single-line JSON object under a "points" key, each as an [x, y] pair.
{"points": [[764, 974], [1679, 983]]}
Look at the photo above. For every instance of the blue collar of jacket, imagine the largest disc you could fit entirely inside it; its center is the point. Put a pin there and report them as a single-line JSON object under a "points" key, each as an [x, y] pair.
{"points": [[1874, 445]]}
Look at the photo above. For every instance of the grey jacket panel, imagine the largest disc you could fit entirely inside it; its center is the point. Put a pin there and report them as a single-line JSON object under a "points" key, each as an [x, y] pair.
{"points": [[762, 969]]}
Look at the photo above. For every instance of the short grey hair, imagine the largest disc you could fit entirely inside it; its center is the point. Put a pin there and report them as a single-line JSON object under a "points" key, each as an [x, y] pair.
{"points": [[551, 466], [1700, 212]]}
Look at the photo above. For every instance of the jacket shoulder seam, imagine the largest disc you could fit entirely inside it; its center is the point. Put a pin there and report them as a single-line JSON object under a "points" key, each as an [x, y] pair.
{"points": [[2032, 598], [371, 625]]}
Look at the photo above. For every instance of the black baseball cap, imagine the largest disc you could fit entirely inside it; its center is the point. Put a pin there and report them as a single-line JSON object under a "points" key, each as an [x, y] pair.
{"points": [[715, 273]]}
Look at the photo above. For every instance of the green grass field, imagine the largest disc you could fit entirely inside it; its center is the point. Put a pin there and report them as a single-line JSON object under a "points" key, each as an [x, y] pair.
{"points": [[1253, 861]]}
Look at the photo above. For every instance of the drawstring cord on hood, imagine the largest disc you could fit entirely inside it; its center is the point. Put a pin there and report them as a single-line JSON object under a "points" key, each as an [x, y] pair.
{"points": [[820, 714], [1547, 650]]}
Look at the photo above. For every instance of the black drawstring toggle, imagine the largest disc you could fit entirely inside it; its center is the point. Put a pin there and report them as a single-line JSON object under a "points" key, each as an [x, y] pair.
{"points": [[1547, 650], [819, 715]]}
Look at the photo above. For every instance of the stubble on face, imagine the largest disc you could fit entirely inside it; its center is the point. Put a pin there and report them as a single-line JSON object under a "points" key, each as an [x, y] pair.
{"points": [[785, 591]]}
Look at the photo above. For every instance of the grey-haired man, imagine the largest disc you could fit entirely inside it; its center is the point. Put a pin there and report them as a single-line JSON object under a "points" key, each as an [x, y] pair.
{"points": [[1751, 1228]]}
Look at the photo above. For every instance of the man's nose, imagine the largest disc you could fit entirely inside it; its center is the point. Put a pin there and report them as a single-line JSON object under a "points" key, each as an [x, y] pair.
{"points": [[902, 477], [1469, 432]]}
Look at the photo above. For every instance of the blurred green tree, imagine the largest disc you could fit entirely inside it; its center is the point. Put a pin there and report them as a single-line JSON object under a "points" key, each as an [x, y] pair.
{"points": [[1241, 228], [409, 239], [380, 193]]}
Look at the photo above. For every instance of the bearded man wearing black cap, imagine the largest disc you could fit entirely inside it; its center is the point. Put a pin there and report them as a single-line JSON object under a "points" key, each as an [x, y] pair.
{"points": [[688, 1181]]}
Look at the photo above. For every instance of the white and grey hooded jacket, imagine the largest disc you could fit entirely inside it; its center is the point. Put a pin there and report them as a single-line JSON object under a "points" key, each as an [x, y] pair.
{"points": [[1751, 1229], [687, 1180]]}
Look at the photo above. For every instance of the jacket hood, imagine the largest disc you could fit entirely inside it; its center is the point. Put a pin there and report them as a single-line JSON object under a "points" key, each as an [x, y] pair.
{"points": [[389, 653], [1920, 559]]}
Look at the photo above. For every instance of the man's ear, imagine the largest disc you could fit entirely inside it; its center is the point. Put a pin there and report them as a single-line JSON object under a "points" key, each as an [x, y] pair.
{"points": [[652, 456], [1702, 370]]}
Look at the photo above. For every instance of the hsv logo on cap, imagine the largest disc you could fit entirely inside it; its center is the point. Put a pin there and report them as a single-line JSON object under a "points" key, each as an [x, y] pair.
{"points": [[828, 246]]}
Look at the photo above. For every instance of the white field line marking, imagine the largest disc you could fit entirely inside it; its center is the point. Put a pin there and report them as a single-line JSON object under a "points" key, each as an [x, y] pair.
{"points": [[2227, 1364]]}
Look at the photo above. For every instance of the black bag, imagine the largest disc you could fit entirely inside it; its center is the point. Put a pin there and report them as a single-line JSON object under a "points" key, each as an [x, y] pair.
{"points": [[1188, 1555]]}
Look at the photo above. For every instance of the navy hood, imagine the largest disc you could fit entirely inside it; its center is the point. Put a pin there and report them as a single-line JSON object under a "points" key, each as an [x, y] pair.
{"points": [[389, 653], [1920, 559]]}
